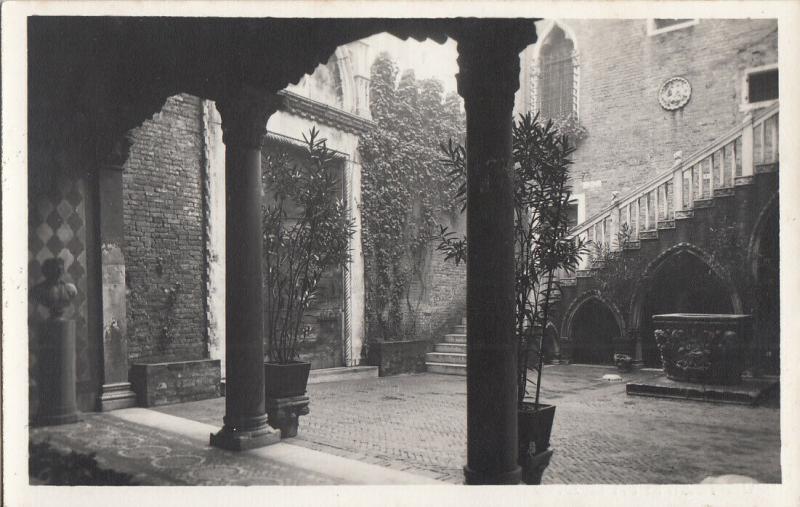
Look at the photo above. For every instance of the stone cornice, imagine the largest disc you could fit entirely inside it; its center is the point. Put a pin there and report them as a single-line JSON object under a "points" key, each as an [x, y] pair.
{"points": [[313, 110]]}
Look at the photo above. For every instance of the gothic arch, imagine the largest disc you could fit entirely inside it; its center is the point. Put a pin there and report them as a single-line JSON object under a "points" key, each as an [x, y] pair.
{"points": [[567, 323], [345, 66], [546, 31], [639, 292], [546, 28], [754, 245]]}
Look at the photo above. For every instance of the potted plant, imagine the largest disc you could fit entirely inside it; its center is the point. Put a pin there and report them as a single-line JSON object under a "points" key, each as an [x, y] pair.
{"points": [[307, 229], [624, 362], [542, 248]]}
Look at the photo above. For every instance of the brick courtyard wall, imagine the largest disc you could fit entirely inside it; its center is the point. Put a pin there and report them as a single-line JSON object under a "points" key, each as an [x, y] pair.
{"points": [[630, 137], [163, 211], [440, 301], [175, 382]]}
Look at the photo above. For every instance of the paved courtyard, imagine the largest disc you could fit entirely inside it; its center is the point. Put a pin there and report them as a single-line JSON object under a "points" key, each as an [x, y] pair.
{"points": [[417, 423]]}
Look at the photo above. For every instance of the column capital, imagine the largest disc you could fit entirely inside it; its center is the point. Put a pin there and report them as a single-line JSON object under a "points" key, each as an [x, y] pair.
{"points": [[112, 150], [488, 62], [244, 116]]}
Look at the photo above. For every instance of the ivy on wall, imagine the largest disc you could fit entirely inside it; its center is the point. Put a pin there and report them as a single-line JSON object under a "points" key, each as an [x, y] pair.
{"points": [[405, 189]]}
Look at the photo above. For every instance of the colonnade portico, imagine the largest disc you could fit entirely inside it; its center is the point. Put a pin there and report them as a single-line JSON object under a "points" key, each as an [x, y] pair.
{"points": [[248, 62]]}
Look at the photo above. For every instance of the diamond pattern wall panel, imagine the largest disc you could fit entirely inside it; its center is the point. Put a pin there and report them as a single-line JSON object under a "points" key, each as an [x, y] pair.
{"points": [[56, 228]]}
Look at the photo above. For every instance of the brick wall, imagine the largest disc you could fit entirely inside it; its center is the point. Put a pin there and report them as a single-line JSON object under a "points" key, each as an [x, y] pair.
{"points": [[163, 211], [440, 301], [630, 137], [166, 383]]}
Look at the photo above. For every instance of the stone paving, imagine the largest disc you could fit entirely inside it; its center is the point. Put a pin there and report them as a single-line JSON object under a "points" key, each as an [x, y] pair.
{"points": [[417, 423], [156, 458]]}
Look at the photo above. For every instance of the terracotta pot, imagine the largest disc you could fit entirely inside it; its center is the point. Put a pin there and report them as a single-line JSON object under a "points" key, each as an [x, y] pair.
{"points": [[283, 380]]}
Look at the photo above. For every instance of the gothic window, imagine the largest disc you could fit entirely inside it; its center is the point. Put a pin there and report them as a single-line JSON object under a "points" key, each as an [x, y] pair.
{"points": [[555, 83]]}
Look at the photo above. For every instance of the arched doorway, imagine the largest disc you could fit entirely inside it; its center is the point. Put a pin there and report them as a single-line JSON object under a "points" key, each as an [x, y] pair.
{"points": [[765, 252], [593, 330], [682, 283]]}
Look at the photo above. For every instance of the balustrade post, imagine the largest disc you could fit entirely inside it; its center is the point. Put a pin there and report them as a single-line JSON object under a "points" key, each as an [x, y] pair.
{"points": [[677, 191], [747, 147]]}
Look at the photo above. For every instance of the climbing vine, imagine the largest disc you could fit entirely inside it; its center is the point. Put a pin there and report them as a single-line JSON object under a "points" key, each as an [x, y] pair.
{"points": [[405, 190]]}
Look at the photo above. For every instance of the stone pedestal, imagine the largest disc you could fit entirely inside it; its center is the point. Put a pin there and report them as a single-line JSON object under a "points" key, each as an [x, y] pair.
{"points": [[535, 466], [284, 413], [57, 401]]}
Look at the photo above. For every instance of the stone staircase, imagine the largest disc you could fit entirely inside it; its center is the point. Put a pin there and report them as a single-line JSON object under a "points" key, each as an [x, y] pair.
{"points": [[690, 185], [449, 357]]}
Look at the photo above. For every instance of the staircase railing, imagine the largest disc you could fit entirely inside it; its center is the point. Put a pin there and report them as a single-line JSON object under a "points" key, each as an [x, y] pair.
{"points": [[690, 183]]}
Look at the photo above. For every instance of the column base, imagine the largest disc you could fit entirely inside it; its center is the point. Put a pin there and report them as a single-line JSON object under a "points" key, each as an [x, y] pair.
{"points": [[116, 396], [284, 413], [233, 440], [472, 477]]}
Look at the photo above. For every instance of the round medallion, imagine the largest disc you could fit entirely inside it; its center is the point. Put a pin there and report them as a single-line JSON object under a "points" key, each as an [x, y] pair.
{"points": [[674, 93]]}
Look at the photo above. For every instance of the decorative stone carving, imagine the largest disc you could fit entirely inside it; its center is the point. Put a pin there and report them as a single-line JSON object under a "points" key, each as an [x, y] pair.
{"points": [[284, 413], [113, 150], [703, 348], [244, 117], [674, 93], [53, 293], [57, 399]]}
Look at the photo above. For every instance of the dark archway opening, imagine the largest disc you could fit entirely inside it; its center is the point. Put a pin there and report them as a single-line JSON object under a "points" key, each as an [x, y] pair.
{"points": [[682, 284], [767, 294], [593, 331]]}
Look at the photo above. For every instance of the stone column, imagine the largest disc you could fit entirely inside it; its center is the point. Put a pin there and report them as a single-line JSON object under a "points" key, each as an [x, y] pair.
{"points": [[112, 152], [488, 77], [244, 125]]}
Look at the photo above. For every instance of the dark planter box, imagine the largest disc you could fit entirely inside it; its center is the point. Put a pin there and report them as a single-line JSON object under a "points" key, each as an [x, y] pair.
{"points": [[392, 358], [534, 426], [283, 380], [175, 382]]}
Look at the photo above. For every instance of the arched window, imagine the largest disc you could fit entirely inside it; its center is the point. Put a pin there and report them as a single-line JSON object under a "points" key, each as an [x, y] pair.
{"points": [[556, 76]]}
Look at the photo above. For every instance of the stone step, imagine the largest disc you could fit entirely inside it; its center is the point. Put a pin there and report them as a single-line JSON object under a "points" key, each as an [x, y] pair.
{"points": [[462, 329], [342, 373], [455, 338], [463, 321], [447, 369], [446, 357], [456, 348]]}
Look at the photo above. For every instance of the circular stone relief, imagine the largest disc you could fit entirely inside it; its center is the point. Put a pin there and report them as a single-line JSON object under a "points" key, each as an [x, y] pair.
{"points": [[674, 93]]}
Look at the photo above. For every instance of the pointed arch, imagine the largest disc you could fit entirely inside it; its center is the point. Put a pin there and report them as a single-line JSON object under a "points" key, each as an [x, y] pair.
{"points": [[577, 303], [550, 30], [345, 65], [767, 212]]}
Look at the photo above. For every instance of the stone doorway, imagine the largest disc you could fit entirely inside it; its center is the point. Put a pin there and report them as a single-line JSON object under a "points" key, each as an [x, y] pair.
{"points": [[594, 328]]}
